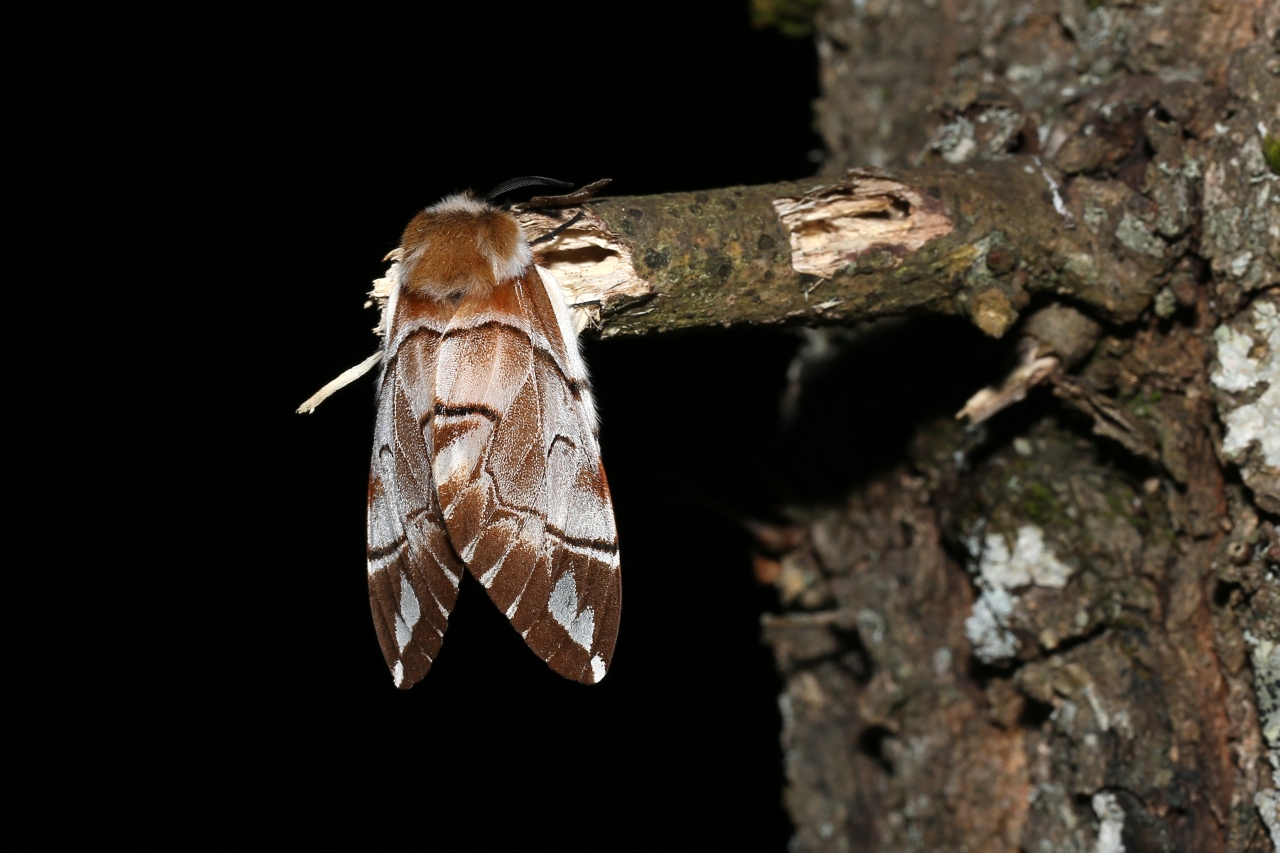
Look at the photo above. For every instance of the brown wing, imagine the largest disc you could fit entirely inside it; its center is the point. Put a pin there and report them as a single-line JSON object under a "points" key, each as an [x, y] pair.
{"points": [[517, 469], [413, 569]]}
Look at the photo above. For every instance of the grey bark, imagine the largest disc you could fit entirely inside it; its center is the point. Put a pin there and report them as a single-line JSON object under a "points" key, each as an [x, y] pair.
{"points": [[1063, 634]]}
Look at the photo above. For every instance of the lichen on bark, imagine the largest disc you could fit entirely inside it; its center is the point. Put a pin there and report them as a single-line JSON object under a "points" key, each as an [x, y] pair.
{"points": [[1058, 629]]}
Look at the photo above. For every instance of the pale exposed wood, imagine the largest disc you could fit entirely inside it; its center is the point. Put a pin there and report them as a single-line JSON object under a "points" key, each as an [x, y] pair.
{"points": [[836, 223]]}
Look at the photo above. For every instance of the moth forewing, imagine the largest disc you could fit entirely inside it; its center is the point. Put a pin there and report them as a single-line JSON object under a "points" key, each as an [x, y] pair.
{"points": [[485, 453], [413, 571]]}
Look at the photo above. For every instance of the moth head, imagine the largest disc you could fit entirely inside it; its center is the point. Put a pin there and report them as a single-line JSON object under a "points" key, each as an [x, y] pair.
{"points": [[461, 246]]}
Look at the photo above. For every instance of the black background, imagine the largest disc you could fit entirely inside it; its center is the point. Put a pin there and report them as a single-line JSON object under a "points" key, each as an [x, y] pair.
{"points": [[287, 155]]}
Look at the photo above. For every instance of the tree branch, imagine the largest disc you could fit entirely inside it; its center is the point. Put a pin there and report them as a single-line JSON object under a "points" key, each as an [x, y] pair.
{"points": [[975, 240]]}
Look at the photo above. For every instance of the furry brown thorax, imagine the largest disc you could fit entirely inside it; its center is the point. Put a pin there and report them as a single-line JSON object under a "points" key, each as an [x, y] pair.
{"points": [[461, 246]]}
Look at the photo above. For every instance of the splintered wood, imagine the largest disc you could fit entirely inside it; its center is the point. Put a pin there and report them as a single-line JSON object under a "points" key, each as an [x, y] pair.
{"points": [[834, 225], [1032, 369], [592, 265]]}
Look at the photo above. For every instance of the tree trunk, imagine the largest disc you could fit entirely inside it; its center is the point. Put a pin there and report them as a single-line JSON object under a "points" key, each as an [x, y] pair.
{"points": [[1053, 625]]}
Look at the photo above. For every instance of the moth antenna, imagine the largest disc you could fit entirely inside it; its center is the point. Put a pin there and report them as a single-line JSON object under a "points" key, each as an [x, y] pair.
{"points": [[578, 196], [551, 235], [527, 181]]}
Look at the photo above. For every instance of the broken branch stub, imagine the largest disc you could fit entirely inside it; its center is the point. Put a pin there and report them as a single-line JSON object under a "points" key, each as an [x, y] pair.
{"points": [[974, 241]]}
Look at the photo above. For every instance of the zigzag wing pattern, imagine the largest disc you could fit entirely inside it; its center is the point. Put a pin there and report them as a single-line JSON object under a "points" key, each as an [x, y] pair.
{"points": [[413, 569], [518, 475]]}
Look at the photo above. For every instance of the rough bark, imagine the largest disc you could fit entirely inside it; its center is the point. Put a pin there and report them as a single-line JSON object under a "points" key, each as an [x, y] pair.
{"points": [[1060, 630]]}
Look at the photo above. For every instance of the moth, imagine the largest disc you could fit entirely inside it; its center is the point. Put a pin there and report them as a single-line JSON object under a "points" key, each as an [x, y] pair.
{"points": [[485, 451]]}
